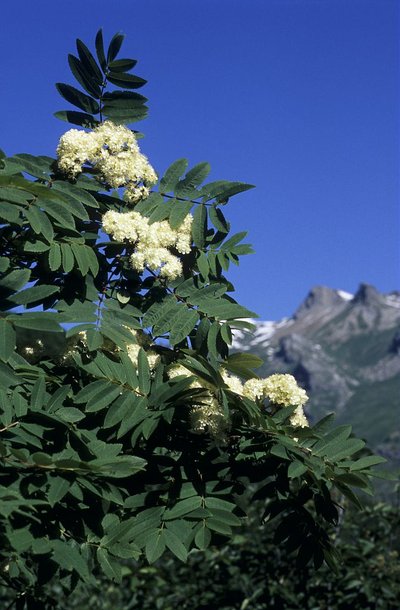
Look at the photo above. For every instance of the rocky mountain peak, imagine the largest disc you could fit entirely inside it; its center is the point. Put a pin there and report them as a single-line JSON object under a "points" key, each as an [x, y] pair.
{"points": [[368, 295], [319, 297]]}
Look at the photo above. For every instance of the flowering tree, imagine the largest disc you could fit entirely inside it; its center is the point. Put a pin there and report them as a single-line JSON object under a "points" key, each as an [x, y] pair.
{"points": [[127, 427]]}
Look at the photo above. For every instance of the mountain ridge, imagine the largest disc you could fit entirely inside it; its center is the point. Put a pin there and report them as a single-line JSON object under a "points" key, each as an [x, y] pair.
{"points": [[344, 349]]}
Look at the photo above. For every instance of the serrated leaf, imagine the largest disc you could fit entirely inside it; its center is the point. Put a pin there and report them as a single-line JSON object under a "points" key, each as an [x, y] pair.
{"points": [[155, 546], [54, 256], [40, 222], [182, 325], [67, 258], [143, 372], [7, 339], [199, 227], [218, 219], [367, 462], [193, 178], [84, 78], [296, 469], [110, 566], [89, 62], [122, 65], [114, 46], [100, 49], [175, 545], [203, 537], [58, 487], [172, 175], [40, 321], [178, 212], [125, 80], [16, 279], [77, 98], [77, 118], [183, 507], [34, 294], [58, 211]]}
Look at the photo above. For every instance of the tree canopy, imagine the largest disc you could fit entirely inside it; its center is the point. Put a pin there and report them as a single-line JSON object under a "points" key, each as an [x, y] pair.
{"points": [[128, 427]]}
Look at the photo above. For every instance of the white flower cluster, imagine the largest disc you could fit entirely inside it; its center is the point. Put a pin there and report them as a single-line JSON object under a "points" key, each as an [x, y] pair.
{"points": [[114, 152], [141, 340], [207, 415], [151, 241], [280, 390]]}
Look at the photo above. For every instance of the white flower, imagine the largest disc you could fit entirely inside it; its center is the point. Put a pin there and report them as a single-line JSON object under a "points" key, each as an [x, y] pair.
{"points": [[254, 389], [298, 418], [233, 382], [113, 151], [283, 391], [151, 241]]}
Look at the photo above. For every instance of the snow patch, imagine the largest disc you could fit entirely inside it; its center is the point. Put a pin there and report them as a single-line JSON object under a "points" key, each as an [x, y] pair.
{"points": [[346, 296], [393, 300]]}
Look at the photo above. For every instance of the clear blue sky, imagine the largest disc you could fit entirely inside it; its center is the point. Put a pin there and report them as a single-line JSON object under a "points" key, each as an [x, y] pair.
{"points": [[299, 97]]}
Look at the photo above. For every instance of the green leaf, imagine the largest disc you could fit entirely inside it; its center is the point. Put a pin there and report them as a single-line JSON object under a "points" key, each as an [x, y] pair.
{"points": [[89, 62], [122, 79], [119, 410], [7, 376], [222, 190], [367, 462], [296, 469], [54, 256], [193, 178], [34, 294], [40, 222], [57, 399], [100, 49], [67, 257], [178, 213], [102, 399], [202, 265], [114, 46], [155, 546], [172, 175], [222, 309], [182, 325], [203, 537], [38, 394], [219, 526], [183, 507], [16, 279], [110, 566], [70, 414], [218, 219], [36, 321], [7, 339], [174, 544], [58, 488], [122, 65], [84, 78], [77, 98], [143, 372], [58, 211], [36, 246], [199, 228], [10, 212], [77, 118]]}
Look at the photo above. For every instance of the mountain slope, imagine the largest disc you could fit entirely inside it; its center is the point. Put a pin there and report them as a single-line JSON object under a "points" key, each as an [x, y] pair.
{"points": [[345, 351]]}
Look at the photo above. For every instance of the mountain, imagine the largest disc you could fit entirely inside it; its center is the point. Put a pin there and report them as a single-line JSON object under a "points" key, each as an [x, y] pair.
{"points": [[344, 350]]}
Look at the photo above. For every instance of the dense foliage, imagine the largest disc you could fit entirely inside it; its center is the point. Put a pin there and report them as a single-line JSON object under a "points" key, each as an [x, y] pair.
{"points": [[124, 429], [254, 572]]}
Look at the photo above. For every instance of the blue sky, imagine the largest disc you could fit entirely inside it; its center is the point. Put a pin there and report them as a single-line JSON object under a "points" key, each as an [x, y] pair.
{"points": [[299, 97]]}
